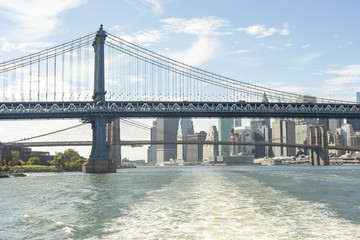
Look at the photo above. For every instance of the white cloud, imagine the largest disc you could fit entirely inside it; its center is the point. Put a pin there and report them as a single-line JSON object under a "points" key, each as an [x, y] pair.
{"points": [[243, 51], [200, 51], [146, 36], [206, 29], [260, 31], [353, 70], [346, 75], [306, 59], [288, 45], [28, 47], [35, 19], [206, 26], [154, 5], [306, 46]]}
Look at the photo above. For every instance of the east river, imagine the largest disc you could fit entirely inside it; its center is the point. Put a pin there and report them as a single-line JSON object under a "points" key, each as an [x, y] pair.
{"points": [[232, 202]]}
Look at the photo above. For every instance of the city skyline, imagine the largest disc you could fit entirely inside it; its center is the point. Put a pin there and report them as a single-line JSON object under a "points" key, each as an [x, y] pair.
{"points": [[294, 51]]}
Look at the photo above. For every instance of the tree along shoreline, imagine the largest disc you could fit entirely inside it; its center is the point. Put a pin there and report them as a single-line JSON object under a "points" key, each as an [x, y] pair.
{"points": [[68, 161]]}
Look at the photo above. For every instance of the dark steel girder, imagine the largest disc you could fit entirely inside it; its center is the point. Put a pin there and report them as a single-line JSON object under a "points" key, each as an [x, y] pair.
{"points": [[150, 109]]}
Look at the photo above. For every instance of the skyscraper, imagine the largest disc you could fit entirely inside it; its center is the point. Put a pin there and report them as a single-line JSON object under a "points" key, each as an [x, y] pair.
{"points": [[225, 126], [152, 149], [194, 153], [166, 130], [211, 151], [185, 128], [283, 131]]}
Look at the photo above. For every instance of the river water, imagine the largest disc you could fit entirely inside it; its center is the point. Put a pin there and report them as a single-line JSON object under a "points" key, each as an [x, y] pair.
{"points": [[237, 202]]}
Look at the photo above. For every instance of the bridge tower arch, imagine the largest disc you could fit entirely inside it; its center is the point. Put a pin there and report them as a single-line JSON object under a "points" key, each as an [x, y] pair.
{"points": [[99, 161], [318, 136]]}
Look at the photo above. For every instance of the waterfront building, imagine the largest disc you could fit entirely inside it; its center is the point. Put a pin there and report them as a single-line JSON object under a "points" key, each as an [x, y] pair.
{"points": [[211, 151], [194, 153], [152, 149], [347, 132], [334, 123], [185, 128], [241, 135], [302, 136], [237, 122], [283, 131], [166, 131], [336, 139], [262, 132], [225, 126]]}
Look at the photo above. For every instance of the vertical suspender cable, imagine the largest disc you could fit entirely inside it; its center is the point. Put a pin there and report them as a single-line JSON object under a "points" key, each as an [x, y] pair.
{"points": [[71, 72], [30, 78], [22, 81], [55, 77], [38, 87], [47, 77], [13, 84], [62, 74], [79, 71]]}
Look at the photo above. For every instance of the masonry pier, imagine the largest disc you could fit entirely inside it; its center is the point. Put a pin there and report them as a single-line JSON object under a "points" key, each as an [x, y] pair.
{"points": [[99, 161], [318, 136]]}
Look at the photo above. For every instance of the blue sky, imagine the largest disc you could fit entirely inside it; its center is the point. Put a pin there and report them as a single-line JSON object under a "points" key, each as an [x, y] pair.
{"points": [[306, 46]]}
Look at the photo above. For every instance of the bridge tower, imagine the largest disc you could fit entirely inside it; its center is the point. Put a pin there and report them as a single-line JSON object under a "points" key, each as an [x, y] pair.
{"points": [[99, 161], [318, 136]]}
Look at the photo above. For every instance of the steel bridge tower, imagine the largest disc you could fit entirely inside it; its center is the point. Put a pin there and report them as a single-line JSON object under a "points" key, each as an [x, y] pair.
{"points": [[99, 161]]}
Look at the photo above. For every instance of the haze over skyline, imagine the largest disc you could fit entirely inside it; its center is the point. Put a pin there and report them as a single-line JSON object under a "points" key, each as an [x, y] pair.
{"points": [[308, 47]]}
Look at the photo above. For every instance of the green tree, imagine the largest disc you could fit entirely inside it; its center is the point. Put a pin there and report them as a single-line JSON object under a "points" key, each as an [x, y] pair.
{"points": [[69, 160], [33, 161], [59, 160], [15, 158]]}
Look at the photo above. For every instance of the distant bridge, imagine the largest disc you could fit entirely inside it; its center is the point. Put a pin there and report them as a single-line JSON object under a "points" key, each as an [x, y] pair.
{"points": [[139, 143]]}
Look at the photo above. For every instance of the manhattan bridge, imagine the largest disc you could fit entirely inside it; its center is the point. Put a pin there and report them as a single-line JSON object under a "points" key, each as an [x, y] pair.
{"points": [[123, 80]]}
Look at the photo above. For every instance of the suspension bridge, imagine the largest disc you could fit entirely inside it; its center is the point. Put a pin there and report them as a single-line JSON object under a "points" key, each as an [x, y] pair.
{"points": [[56, 83]]}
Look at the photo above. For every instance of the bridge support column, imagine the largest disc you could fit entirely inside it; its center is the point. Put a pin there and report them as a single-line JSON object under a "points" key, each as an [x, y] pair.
{"points": [[99, 162], [318, 136], [113, 136]]}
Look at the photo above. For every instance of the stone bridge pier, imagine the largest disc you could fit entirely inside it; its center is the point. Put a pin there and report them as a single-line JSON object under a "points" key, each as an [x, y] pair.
{"points": [[318, 136]]}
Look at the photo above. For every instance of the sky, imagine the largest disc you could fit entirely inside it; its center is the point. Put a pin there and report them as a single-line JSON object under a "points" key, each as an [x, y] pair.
{"points": [[306, 47]]}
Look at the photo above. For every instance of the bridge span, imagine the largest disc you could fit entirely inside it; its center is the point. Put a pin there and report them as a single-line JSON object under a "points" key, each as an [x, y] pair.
{"points": [[54, 84], [139, 143]]}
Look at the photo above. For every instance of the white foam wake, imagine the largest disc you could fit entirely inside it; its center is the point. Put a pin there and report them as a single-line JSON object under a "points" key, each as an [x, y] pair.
{"points": [[210, 206]]}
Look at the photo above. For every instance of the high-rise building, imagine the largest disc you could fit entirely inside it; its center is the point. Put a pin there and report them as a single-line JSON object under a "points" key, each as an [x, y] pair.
{"points": [[225, 126], [244, 134], [336, 139], [302, 133], [194, 153], [152, 149], [283, 131], [211, 151], [347, 132], [237, 122], [166, 131], [334, 123], [185, 128], [262, 132]]}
